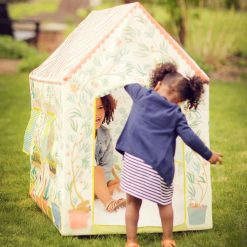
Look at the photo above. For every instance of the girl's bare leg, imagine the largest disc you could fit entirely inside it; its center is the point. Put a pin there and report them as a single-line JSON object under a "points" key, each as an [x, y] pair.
{"points": [[100, 187], [113, 185], [132, 216], [166, 216]]}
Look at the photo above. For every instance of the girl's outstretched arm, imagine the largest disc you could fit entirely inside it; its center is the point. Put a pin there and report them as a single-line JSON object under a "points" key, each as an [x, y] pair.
{"points": [[191, 139], [194, 142], [135, 90]]}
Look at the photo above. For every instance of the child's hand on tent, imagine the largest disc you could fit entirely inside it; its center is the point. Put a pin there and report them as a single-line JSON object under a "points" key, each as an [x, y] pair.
{"points": [[216, 158]]}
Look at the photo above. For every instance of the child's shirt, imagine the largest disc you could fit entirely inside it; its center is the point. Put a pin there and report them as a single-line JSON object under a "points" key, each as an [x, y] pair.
{"points": [[104, 151], [152, 128]]}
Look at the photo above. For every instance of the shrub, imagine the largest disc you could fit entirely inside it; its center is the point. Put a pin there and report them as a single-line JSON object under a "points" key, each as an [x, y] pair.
{"points": [[21, 9], [10, 48], [31, 62], [13, 49], [214, 35]]}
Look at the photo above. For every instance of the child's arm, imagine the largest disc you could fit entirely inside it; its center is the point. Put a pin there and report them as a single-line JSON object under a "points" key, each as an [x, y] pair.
{"points": [[135, 90], [194, 142]]}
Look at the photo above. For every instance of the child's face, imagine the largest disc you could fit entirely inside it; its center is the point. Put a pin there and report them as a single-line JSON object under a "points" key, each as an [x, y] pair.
{"points": [[100, 113]]}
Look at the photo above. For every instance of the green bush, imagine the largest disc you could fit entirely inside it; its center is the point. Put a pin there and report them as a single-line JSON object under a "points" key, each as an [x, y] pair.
{"points": [[32, 62], [215, 35], [19, 10], [10, 48]]}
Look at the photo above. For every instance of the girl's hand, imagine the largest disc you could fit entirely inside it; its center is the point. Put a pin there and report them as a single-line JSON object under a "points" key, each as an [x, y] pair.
{"points": [[216, 158]]}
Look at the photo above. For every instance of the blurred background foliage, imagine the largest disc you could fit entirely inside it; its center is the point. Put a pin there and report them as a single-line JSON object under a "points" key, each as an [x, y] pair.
{"points": [[25, 8], [211, 31]]}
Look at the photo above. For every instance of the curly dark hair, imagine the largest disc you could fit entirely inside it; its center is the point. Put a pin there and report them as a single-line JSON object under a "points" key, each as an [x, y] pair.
{"points": [[190, 89], [160, 72], [109, 104]]}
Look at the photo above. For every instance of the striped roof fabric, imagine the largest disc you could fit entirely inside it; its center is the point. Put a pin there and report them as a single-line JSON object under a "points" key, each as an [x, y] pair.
{"points": [[80, 43], [83, 41]]}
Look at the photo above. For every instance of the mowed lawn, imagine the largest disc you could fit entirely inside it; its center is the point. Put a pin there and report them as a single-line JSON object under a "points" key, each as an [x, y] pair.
{"points": [[23, 224]]}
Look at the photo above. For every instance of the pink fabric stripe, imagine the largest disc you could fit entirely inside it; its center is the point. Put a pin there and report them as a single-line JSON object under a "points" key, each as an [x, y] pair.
{"points": [[46, 81], [71, 72]]}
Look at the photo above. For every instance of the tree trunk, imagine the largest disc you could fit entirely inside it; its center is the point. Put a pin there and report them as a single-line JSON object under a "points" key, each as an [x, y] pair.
{"points": [[182, 30], [201, 3], [69, 7], [182, 21]]}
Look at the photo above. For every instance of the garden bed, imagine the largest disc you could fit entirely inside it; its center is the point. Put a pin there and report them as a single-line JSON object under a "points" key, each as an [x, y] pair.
{"points": [[9, 66]]}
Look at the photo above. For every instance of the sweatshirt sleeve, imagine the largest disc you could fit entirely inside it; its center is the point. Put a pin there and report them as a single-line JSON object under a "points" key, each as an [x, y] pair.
{"points": [[136, 91], [190, 138]]}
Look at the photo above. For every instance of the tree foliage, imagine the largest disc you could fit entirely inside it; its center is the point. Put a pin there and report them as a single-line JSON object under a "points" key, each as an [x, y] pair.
{"points": [[178, 10]]}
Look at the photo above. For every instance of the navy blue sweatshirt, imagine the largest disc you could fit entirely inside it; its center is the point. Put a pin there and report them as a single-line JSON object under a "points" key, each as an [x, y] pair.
{"points": [[152, 128]]}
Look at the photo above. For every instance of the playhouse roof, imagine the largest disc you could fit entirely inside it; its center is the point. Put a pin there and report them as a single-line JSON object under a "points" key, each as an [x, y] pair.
{"points": [[88, 37]]}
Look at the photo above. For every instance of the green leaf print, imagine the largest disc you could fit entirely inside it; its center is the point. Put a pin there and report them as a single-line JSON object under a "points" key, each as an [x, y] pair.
{"points": [[192, 192], [75, 114], [141, 70], [191, 177], [141, 19], [73, 124], [196, 166], [202, 180]]}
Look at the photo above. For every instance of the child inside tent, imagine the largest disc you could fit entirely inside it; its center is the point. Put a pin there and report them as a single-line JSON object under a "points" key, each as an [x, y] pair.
{"points": [[104, 185]]}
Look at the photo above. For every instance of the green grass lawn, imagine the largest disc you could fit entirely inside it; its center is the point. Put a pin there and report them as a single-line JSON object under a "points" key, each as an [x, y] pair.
{"points": [[23, 224], [24, 9]]}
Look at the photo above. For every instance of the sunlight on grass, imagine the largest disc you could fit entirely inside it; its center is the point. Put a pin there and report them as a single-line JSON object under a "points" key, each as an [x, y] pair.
{"points": [[20, 10]]}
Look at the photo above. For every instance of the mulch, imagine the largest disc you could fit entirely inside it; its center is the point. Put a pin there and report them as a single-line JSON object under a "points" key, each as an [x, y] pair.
{"points": [[9, 66]]}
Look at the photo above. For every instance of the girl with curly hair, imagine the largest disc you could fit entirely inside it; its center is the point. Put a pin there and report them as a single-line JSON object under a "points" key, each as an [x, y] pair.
{"points": [[104, 185], [148, 142]]}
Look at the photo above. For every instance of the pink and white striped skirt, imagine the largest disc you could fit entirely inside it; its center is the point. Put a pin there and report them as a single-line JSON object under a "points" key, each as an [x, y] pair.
{"points": [[142, 181]]}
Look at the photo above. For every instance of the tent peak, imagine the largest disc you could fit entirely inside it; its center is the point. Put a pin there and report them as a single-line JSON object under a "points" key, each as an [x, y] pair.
{"points": [[91, 34]]}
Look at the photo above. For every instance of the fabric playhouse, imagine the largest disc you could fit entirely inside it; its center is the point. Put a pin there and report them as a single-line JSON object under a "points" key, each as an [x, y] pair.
{"points": [[108, 50]]}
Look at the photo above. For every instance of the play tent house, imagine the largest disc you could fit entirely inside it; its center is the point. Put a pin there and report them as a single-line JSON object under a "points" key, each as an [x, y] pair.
{"points": [[108, 50]]}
